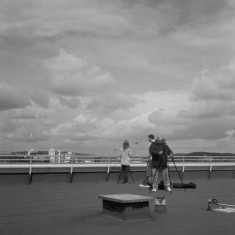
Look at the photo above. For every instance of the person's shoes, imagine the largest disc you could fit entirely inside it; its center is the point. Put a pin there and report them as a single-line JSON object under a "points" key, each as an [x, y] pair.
{"points": [[154, 189], [168, 189], [144, 185], [146, 180]]}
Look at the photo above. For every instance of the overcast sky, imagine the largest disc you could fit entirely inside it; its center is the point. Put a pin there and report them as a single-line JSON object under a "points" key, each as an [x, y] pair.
{"points": [[84, 75]]}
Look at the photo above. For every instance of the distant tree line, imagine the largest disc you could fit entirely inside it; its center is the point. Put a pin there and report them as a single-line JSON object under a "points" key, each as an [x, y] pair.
{"points": [[204, 154]]}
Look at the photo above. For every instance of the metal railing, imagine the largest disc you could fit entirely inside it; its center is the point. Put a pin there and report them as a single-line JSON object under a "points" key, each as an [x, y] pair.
{"points": [[72, 163], [99, 160]]}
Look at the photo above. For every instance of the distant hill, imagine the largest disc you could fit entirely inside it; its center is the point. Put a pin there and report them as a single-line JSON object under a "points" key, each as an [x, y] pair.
{"points": [[204, 154]]}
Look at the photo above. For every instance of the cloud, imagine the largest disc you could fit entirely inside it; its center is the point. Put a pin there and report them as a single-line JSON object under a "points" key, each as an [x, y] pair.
{"points": [[212, 112], [72, 103], [83, 127], [89, 127], [40, 97], [109, 102], [8, 126], [25, 114], [219, 85], [58, 19], [11, 98], [230, 133], [102, 87], [70, 75], [209, 129], [213, 94], [209, 109], [29, 131]]}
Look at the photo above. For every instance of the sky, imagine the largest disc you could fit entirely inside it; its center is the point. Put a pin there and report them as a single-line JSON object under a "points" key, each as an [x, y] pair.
{"points": [[84, 75]]}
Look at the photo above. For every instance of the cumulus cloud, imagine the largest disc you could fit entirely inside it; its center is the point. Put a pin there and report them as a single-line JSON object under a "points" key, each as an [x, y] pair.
{"points": [[212, 112], [29, 113], [209, 109], [25, 114], [86, 127], [151, 45], [72, 103], [230, 133], [70, 75], [8, 126], [40, 97], [55, 19], [108, 102], [83, 127], [28, 131], [11, 98], [213, 94], [219, 85], [210, 129]]}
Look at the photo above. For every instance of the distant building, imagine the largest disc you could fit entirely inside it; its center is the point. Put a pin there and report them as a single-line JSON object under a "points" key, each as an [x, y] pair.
{"points": [[51, 153], [32, 152], [68, 156]]}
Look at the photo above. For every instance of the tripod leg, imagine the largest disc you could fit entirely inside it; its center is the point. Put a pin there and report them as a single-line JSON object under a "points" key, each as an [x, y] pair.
{"points": [[120, 176], [169, 175], [107, 176], [177, 171], [131, 175]]}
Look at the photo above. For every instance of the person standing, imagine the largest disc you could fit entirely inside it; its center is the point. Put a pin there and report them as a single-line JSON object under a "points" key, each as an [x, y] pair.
{"points": [[147, 182], [125, 155], [149, 160], [160, 152]]}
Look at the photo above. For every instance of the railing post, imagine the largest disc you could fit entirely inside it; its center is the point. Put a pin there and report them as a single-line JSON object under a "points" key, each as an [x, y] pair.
{"points": [[30, 176], [71, 175], [210, 170], [108, 170], [183, 168]]}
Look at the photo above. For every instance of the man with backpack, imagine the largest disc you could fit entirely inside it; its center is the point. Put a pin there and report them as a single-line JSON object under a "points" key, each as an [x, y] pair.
{"points": [[160, 151]]}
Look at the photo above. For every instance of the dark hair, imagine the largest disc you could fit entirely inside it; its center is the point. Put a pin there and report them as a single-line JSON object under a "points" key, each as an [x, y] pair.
{"points": [[151, 136], [125, 144]]}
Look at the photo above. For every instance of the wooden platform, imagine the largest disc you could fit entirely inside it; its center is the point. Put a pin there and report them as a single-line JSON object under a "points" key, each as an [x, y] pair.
{"points": [[128, 207]]}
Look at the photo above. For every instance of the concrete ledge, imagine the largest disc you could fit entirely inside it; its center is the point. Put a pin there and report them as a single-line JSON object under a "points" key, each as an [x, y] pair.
{"points": [[52, 177], [95, 167]]}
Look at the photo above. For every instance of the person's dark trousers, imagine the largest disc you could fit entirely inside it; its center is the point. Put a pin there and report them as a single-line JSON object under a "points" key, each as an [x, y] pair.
{"points": [[125, 173]]}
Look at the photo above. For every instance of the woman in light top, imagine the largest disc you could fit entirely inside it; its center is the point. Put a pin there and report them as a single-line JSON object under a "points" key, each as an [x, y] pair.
{"points": [[125, 155]]}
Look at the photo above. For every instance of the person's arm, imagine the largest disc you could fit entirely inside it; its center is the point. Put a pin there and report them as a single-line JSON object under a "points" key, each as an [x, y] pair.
{"points": [[121, 155], [149, 157], [169, 153]]}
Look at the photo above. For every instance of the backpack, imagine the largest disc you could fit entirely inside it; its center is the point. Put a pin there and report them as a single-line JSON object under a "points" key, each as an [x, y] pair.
{"points": [[157, 148], [188, 185]]}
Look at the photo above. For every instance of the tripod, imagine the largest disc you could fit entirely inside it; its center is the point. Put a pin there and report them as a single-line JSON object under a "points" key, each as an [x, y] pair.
{"points": [[121, 175], [172, 159]]}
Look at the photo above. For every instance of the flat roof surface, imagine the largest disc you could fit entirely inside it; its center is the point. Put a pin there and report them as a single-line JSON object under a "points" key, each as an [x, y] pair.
{"points": [[74, 208]]}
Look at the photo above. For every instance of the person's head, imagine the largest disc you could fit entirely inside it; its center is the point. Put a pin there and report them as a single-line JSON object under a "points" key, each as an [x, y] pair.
{"points": [[125, 144], [150, 137], [160, 139]]}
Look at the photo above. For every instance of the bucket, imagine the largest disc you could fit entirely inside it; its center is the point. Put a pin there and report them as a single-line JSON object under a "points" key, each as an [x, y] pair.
{"points": [[160, 205]]}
